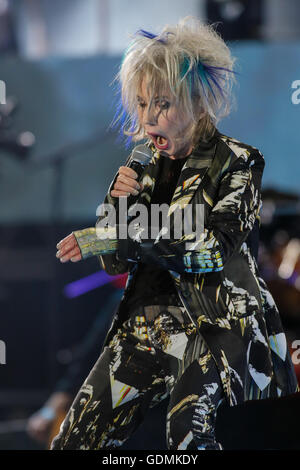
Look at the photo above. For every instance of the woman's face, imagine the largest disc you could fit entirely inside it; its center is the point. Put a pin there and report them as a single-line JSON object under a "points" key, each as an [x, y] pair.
{"points": [[164, 124]]}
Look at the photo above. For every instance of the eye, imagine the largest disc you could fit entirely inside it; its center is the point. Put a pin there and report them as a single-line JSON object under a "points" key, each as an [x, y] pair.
{"points": [[141, 104], [164, 104]]}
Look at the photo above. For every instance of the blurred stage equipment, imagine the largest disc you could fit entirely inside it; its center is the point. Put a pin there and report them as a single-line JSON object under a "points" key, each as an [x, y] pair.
{"points": [[281, 20], [56, 232], [17, 143], [57, 161], [239, 19], [93, 281], [280, 251], [8, 41]]}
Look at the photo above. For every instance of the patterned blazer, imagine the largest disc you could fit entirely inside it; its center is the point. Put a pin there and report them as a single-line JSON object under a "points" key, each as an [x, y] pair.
{"points": [[216, 274]]}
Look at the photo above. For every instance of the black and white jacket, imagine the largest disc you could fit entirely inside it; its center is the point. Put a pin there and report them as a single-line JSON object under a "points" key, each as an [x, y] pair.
{"points": [[217, 277]]}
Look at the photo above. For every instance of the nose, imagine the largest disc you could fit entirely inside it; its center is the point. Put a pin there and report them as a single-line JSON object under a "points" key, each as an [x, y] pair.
{"points": [[151, 116]]}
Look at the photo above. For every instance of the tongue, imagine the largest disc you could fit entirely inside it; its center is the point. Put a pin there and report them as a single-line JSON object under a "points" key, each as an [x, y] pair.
{"points": [[161, 140]]}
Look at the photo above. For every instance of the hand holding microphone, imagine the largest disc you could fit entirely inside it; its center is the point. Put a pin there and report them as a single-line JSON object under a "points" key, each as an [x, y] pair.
{"points": [[127, 180], [82, 244], [126, 183]]}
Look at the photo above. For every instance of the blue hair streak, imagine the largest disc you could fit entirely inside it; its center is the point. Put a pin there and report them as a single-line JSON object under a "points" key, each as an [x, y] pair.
{"points": [[207, 75], [149, 35]]}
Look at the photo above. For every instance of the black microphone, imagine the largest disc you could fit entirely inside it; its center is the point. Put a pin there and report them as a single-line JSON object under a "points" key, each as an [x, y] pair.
{"points": [[139, 159]]}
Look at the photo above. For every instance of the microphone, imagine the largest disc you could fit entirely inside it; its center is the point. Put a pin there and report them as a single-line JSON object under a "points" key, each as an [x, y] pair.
{"points": [[138, 161]]}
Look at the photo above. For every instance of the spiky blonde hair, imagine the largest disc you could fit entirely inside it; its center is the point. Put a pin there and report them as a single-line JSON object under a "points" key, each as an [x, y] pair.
{"points": [[192, 61]]}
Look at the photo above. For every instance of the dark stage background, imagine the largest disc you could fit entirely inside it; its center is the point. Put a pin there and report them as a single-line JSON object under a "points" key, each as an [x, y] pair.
{"points": [[58, 155]]}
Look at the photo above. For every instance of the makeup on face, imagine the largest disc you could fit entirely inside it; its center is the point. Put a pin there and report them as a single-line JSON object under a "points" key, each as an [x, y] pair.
{"points": [[163, 122]]}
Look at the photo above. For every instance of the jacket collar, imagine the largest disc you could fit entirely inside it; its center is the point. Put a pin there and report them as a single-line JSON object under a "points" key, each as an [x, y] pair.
{"points": [[191, 176]]}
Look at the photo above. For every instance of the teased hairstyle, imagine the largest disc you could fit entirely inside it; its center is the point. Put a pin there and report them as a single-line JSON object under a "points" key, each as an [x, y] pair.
{"points": [[192, 61]]}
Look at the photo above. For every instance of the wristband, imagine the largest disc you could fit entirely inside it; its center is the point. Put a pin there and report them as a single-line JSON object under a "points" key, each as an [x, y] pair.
{"points": [[96, 241]]}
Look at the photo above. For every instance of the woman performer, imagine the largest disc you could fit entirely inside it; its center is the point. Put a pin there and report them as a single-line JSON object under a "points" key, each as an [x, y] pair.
{"points": [[196, 322]]}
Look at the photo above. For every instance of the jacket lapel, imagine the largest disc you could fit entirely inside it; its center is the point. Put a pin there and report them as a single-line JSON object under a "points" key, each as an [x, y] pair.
{"points": [[191, 177], [202, 171], [189, 180]]}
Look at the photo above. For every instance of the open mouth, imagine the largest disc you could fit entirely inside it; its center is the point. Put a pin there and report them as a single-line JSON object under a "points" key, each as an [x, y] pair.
{"points": [[159, 141]]}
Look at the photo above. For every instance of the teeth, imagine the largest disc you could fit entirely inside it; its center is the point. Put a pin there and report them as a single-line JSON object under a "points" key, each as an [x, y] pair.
{"points": [[160, 140]]}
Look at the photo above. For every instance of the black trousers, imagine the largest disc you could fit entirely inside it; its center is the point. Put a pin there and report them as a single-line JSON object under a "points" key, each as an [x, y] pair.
{"points": [[156, 353]]}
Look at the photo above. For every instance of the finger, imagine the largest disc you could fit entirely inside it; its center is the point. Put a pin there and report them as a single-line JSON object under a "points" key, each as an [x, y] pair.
{"points": [[129, 181], [66, 252], [116, 193], [64, 240], [70, 254], [76, 258], [64, 249], [125, 170], [126, 188]]}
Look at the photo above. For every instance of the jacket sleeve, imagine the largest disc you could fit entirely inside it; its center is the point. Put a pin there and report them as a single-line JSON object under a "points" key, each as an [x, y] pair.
{"points": [[110, 262], [230, 221]]}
